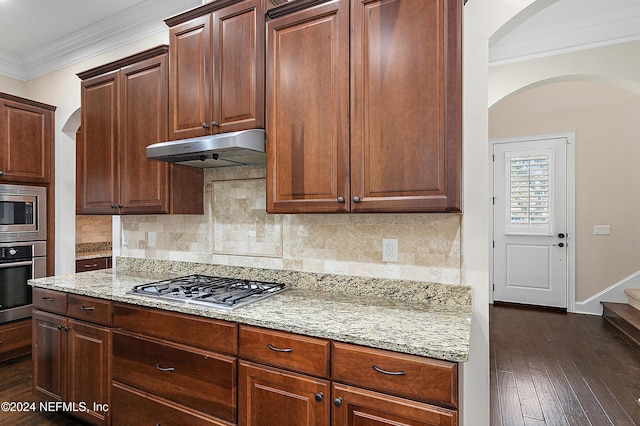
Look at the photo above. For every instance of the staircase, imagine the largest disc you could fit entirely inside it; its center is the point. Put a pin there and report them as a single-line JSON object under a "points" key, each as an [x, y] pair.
{"points": [[625, 317]]}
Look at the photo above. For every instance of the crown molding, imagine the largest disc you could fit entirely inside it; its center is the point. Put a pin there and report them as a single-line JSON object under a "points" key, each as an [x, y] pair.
{"points": [[541, 36], [135, 23]]}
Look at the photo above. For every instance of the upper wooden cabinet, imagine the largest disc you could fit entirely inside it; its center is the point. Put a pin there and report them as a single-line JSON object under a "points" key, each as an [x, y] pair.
{"points": [[217, 68], [124, 109], [26, 140], [364, 106]]}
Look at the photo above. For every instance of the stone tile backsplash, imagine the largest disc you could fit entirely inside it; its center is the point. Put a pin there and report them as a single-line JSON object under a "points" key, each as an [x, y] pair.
{"points": [[235, 230]]}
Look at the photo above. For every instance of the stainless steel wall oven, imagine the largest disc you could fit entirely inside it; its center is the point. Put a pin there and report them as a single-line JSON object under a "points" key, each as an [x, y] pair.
{"points": [[19, 262]]}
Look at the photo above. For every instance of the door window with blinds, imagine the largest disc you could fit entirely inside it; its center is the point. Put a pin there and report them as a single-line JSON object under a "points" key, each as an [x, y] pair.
{"points": [[529, 190]]}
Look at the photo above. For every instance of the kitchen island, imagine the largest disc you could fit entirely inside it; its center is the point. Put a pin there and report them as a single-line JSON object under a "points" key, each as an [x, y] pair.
{"points": [[398, 318]]}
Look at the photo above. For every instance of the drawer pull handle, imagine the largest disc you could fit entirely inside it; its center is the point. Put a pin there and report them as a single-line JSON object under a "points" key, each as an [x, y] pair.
{"points": [[87, 308], [273, 348], [390, 373], [91, 266], [48, 299], [164, 368]]}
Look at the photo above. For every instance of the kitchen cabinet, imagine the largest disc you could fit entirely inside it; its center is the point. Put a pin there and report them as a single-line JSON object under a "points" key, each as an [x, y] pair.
{"points": [[289, 377], [269, 395], [155, 363], [71, 352], [84, 265], [26, 140], [125, 109], [15, 339], [378, 128], [217, 68], [357, 406]]}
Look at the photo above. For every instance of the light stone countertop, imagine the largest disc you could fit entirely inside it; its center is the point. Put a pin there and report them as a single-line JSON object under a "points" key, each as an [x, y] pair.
{"points": [[438, 330]]}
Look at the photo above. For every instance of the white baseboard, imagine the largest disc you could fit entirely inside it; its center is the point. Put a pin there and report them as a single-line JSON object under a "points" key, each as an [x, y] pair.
{"points": [[614, 293]]}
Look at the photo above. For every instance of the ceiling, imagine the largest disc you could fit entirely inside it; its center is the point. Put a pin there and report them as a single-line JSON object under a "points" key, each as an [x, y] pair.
{"points": [[40, 36], [549, 27]]}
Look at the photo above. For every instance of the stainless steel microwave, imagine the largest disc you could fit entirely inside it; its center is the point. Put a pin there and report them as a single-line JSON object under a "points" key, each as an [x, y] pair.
{"points": [[23, 213]]}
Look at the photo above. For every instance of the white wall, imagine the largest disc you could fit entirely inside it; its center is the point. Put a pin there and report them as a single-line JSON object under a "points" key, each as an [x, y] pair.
{"points": [[482, 18]]}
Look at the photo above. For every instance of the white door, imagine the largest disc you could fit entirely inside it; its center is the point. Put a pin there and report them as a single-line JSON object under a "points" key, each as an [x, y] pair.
{"points": [[530, 222]]}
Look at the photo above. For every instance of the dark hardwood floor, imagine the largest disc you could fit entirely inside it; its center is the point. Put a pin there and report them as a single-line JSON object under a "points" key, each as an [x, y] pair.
{"points": [[554, 368], [15, 386]]}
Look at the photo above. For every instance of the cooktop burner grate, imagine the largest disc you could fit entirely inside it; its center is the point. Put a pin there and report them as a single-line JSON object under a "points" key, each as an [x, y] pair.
{"points": [[228, 293]]}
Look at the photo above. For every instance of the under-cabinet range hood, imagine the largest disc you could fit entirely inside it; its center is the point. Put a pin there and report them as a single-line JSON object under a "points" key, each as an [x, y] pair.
{"points": [[219, 150]]}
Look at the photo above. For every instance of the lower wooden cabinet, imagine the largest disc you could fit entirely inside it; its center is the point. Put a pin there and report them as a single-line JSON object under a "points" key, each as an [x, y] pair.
{"points": [[135, 365], [95, 264], [15, 339], [270, 396], [135, 407], [200, 380], [354, 406], [71, 365]]}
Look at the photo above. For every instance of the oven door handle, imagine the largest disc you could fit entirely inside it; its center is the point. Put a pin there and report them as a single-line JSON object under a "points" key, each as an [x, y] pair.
{"points": [[14, 264]]}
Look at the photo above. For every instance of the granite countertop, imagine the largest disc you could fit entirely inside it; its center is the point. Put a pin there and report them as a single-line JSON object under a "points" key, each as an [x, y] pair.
{"points": [[426, 319], [86, 251]]}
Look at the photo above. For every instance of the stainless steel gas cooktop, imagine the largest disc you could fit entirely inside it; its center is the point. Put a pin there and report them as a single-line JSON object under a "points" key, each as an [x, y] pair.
{"points": [[227, 293]]}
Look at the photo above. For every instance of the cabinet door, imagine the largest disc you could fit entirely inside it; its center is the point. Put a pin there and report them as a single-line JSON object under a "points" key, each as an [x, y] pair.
{"points": [[25, 142], [406, 105], [238, 67], [89, 377], [354, 406], [49, 355], [143, 112], [191, 75], [307, 110], [268, 396], [99, 179]]}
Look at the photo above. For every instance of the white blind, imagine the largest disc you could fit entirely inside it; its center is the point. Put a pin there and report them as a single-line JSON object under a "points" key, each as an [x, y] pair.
{"points": [[529, 190]]}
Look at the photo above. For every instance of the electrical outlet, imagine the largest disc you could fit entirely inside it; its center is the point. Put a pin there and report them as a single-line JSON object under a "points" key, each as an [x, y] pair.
{"points": [[151, 238], [389, 250]]}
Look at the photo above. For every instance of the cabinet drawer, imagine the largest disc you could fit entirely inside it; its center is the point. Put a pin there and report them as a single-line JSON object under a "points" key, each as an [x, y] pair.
{"points": [[289, 351], [133, 407], [204, 333], [50, 300], [410, 376], [92, 264], [197, 379], [89, 309], [15, 336]]}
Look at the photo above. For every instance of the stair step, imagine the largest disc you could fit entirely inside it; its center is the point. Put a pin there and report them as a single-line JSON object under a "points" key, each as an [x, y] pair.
{"points": [[633, 294], [624, 318]]}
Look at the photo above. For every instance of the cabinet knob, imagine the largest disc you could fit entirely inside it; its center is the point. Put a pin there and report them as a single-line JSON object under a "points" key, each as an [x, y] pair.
{"points": [[1, 172], [319, 397], [356, 199], [559, 245], [113, 206], [561, 235], [214, 123], [337, 402], [59, 327], [341, 200], [205, 126]]}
